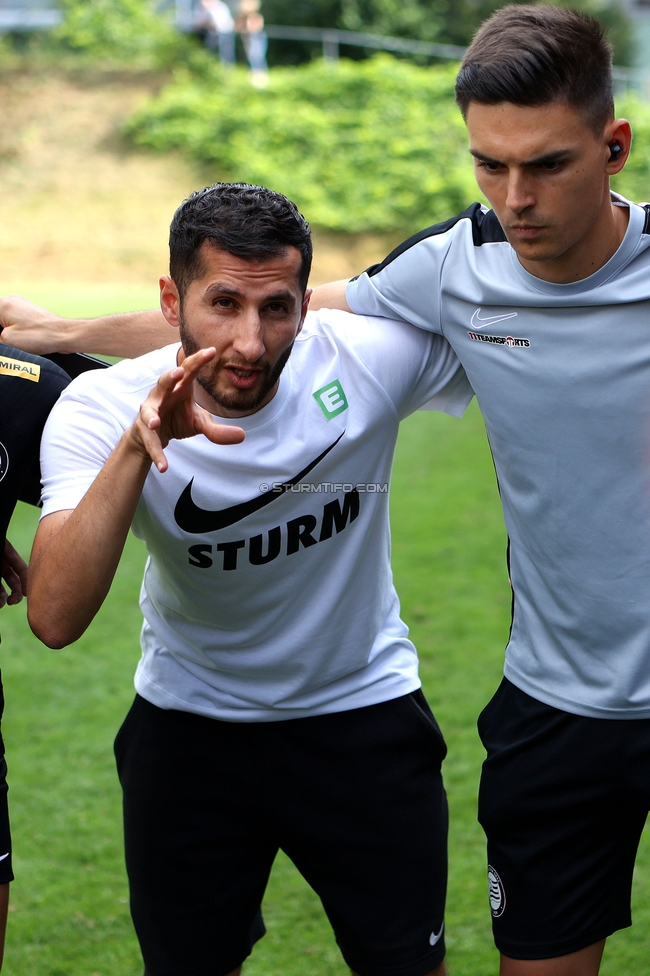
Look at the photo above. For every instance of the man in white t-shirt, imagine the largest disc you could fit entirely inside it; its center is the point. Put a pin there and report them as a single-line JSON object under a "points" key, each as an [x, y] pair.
{"points": [[278, 700]]}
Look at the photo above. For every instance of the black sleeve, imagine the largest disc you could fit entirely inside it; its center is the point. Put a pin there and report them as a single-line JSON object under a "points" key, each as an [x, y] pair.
{"points": [[29, 388]]}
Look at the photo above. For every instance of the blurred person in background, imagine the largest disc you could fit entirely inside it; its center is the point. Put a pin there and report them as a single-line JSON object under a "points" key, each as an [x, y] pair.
{"points": [[250, 24], [214, 19]]}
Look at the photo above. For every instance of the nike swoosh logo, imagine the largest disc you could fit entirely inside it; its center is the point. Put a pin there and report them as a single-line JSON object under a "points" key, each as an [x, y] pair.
{"points": [[491, 319], [4, 856], [190, 518], [435, 937]]}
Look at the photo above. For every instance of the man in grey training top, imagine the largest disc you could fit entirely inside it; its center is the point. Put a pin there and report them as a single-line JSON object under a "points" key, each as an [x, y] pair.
{"points": [[546, 301]]}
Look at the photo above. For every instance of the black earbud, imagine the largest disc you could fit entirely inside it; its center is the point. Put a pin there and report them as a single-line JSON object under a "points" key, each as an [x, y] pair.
{"points": [[616, 151]]}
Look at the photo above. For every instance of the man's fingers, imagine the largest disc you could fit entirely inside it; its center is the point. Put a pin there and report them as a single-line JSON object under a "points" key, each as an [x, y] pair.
{"points": [[17, 564], [199, 359], [177, 383], [148, 440], [151, 408], [192, 365], [169, 412], [217, 433], [14, 583]]}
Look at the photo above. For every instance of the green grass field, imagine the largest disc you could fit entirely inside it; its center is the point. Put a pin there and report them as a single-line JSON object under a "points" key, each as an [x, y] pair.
{"points": [[69, 913]]}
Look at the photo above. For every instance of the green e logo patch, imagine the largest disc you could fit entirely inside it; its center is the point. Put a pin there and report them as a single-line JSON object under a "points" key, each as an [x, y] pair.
{"points": [[331, 399]]}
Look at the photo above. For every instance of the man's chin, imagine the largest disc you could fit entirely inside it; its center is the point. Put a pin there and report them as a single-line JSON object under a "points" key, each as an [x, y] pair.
{"points": [[239, 401]]}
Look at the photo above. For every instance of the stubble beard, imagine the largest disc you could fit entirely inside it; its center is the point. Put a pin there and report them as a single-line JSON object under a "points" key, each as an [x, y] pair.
{"points": [[244, 401]]}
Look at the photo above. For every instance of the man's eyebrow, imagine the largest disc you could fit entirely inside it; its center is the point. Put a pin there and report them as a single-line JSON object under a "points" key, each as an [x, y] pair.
{"points": [[484, 159], [282, 296], [553, 157], [220, 288]]}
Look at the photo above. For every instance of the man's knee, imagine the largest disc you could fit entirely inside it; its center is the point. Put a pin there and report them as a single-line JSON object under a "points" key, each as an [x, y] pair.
{"points": [[585, 962]]}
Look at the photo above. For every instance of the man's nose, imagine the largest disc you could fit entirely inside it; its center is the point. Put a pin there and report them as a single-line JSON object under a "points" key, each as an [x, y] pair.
{"points": [[249, 339], [520, 196]]}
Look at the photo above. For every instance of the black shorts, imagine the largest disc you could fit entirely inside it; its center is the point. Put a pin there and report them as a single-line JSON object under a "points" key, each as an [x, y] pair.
{"points": [[563, 801], [6, 872], [355, 799]]}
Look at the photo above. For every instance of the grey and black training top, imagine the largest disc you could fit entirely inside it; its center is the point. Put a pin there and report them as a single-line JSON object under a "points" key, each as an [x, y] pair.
{"points": [[562, 376]]}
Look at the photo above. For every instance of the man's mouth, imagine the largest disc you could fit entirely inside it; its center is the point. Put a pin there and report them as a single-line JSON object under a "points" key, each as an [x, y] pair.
{"points": [[526, 232], [242, 378]]}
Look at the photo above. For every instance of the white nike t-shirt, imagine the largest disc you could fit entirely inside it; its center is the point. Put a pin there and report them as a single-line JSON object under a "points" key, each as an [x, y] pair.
{"points": [[268, 591]]}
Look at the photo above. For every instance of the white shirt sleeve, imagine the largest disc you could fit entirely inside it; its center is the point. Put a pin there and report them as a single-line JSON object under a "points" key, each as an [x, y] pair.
{"points": [[415, 368], [77, 441]]}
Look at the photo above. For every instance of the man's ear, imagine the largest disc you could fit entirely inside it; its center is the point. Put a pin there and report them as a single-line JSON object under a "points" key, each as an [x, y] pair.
{"points": [[618, 142], [304, 309], [170, 301]]}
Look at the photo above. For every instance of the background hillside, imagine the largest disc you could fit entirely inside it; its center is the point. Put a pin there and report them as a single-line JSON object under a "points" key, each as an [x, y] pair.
{"points": [[80, 206]]}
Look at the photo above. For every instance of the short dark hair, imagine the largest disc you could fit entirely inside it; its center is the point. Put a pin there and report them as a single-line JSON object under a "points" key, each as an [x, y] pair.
{"points": [[248, 221], [532, 55]]}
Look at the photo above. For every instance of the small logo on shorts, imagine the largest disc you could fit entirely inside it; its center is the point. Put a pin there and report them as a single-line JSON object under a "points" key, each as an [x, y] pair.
{"points": [[436, 936], [4, 461], [496, 892]]}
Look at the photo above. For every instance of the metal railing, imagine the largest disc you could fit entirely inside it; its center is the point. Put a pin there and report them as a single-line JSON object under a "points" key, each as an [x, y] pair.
{"points": [[28, 15], [332, 39]]}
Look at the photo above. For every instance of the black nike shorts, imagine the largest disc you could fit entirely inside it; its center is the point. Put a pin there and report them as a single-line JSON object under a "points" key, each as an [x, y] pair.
{"points": [[563, 801], [6, 871], [355, 799]]}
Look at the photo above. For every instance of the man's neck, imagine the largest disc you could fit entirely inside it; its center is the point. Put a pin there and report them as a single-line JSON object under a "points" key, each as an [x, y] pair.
{"points": [[589, 255]]}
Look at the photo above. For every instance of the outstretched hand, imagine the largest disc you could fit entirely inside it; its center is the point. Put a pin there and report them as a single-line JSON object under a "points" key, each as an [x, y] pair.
{"points": [[14, 573], [170, 413]]}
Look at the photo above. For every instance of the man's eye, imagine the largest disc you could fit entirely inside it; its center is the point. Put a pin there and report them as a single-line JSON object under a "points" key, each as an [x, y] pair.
{"points": [[276, 307], [489, 166], [223, 302]]}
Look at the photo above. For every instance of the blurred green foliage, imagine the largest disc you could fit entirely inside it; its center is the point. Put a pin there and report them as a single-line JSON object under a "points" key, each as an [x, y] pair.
{"points": [[132, 34], [110, 34], [377, 145], [106, 27]]}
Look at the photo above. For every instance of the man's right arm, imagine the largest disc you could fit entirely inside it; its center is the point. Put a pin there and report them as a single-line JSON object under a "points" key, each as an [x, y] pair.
{"points": [[76, 551], [33, 329]]}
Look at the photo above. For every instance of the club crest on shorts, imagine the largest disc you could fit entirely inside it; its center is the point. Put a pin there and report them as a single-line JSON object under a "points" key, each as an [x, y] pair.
{"points": [[4, 461], [496, 893]]}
